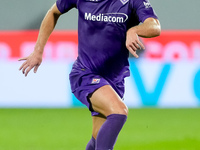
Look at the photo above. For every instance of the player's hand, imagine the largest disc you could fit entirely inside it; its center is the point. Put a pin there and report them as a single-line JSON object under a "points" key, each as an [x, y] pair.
{"points": [[32, 61], [133, 43]]}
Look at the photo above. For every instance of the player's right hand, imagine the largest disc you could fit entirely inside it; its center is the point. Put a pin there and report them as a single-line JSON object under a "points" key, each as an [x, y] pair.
{"points": [[32, 61]]}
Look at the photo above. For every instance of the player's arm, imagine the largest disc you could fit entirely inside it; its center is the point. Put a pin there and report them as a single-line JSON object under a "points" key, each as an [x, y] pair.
{"points": [[35, 58], [149, 28]]}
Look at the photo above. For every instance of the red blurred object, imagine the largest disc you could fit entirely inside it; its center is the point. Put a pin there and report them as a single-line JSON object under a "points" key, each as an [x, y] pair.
{"points": [[172, 45]]}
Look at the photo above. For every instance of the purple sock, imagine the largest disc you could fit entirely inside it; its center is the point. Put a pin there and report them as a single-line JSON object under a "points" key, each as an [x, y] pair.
{"points": [[109, 131], [91, 144]]}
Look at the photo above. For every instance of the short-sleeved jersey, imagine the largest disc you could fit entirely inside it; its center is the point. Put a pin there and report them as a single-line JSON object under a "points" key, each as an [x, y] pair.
{"points": [[102, 27]]}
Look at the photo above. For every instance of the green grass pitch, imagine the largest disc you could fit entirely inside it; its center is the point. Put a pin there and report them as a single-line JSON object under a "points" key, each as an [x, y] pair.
{"points": [[70, 129]]}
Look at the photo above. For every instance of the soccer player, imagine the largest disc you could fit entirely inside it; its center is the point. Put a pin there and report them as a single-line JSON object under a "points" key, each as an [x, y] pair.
{"points": [[107, 31]]}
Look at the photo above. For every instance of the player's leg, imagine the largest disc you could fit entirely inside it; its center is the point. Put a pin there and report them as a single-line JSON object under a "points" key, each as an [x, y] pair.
{"points": [[91, 144], [107, 102], [97, 122]]}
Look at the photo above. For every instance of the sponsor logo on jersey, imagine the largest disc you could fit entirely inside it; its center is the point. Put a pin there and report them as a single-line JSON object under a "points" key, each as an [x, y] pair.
{"points": [[124, 1], [95, 80], [107, 17], [147, 4]]}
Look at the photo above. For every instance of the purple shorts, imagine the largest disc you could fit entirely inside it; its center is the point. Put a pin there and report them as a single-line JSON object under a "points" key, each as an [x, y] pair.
{"points": [[84, 82]]}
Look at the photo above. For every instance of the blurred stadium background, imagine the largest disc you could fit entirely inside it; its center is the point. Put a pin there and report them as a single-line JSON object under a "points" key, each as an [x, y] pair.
{"points": [[163, 92]]}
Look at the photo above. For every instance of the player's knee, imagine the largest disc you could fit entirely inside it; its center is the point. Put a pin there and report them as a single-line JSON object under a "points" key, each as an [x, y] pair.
{"points": [[122, 109]]}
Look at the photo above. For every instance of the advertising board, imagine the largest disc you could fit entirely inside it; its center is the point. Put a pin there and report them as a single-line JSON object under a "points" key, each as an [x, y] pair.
{"points": [[167, 74]]}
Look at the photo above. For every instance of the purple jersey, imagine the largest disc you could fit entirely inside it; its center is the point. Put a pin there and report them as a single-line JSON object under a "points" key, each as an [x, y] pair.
{"points": [[102, 26]]}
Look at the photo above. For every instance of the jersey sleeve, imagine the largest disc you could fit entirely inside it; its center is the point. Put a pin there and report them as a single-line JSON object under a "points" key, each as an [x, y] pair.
{"points": [[65, 5], [144, 10]]}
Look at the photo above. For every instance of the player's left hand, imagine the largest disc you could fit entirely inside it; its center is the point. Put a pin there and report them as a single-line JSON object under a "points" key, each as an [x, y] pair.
{"points": [[133, 43]]}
